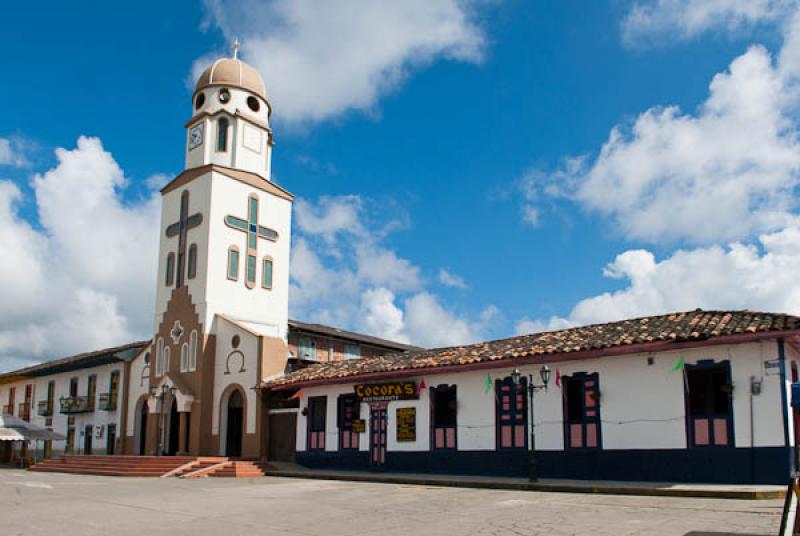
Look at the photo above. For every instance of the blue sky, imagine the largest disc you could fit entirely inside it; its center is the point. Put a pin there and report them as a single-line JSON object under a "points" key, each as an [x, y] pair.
{"points": [[429, 154]]}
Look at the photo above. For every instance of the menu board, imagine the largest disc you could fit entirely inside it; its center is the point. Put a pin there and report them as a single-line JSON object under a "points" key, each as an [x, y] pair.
{"points": [[406, 424]]}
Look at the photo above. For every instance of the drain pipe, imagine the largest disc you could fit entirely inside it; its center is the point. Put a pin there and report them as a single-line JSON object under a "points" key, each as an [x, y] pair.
{"points": [[785, 404]]}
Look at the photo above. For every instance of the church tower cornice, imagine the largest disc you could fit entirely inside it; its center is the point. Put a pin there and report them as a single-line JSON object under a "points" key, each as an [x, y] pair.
{"points": [[251, 179]]}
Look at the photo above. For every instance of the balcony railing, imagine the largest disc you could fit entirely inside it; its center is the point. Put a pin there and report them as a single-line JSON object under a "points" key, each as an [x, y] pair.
{"points": [[107, 401], [45, 408], [8, 409], [24, 411], [76, 404]]}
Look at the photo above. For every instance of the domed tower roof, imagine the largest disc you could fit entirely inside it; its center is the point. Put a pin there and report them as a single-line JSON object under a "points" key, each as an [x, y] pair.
{"points": [[232, 72]]}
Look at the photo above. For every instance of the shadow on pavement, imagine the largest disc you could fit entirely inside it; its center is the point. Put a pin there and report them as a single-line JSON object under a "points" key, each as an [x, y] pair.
{"points": [[706, 533]]}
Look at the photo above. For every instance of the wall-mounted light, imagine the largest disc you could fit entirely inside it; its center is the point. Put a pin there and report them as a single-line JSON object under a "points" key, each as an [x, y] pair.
{"points": [[755, 386]]}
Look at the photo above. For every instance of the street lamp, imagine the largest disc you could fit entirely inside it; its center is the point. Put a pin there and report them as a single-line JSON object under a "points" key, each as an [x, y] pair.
{"points": [[161, 396], [516, 377]]}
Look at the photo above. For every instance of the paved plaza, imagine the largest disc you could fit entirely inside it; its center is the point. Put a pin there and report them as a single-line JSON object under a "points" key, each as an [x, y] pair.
{"points": [[50, 503]]}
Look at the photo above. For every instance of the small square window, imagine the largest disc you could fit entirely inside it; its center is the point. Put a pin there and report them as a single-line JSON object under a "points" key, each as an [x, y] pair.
{"points": [[307, 348]]}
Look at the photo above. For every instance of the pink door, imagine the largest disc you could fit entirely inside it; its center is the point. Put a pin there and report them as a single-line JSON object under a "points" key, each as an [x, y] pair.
{"points": [[377, 433]]}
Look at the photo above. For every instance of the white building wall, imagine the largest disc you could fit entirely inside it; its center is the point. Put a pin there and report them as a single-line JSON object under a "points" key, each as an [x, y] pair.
{"points": [[228, 371], [199, 201], [138, 385], [99, 419], [642, 406], [249, 151], [233, 298]]}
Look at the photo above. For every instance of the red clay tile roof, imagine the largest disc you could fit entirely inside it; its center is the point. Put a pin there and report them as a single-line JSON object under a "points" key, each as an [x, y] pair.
{"points": [[689, 326]]}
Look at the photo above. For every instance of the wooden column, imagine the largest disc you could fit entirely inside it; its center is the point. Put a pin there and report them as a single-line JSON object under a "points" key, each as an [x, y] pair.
{"points": [[182, 432]]}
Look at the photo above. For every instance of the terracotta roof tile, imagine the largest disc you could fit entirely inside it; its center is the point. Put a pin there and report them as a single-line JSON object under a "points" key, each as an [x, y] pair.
{"points": [[688, 326]]}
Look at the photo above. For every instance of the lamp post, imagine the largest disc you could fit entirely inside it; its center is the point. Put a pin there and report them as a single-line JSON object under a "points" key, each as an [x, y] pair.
{"points": [[161, 396], [516, 377]]}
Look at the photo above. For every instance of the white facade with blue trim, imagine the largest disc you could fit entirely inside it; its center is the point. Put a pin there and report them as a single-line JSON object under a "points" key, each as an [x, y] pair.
{"points": [[655, 420]]}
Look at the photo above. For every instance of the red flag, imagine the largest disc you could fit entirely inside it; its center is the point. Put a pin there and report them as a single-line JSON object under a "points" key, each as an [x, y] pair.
{"points": [[298, 394], [558, 378], [421, 386]]}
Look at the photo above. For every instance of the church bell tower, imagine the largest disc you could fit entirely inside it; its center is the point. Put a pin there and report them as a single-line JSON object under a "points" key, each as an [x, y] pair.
{"points": [[222, 300], [225, 227], [230, 125]]}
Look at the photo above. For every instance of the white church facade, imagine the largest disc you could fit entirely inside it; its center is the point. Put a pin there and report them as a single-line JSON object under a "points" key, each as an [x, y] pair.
{"points": [[695, 396]]}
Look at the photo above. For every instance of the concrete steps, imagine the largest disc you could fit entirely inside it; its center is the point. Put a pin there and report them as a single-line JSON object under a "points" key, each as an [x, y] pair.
{"points": [[240, 469], [113, 465], [153, 466], [199, 465]]}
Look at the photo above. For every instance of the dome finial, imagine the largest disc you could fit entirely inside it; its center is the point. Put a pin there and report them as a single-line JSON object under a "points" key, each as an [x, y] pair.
{"points": [[235, 48]]}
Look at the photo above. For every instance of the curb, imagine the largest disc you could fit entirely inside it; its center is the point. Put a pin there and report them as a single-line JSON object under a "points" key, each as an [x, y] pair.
{"points": [[539, 486]]}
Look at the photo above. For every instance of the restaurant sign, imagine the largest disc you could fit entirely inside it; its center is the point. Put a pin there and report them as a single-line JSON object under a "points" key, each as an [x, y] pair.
{"points": [[384, 392], [406, 424], [358, 426]]}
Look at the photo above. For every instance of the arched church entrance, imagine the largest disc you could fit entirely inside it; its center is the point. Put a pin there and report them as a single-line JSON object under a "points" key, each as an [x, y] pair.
{"points": [[141, 427], [174, 429], [234, 424]]}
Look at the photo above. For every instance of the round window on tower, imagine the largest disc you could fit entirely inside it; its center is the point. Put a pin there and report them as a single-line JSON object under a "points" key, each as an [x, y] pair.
{"points": [[199, 101], [253, 104], [235, 341], [224, 95]]}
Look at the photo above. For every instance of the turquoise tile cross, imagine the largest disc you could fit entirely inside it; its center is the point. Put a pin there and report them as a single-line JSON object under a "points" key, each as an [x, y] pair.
{"points": [[254, 231]]}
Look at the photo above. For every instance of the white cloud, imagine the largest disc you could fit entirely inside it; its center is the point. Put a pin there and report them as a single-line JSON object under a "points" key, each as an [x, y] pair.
{"points": [[343, 274], [331, 215], [526, 326], [724, 177], [380, 314], [433, 326], [650, 19], [450, 279], [85, 279], [726, 172], [12, 152], [758, 277], [320, 59]]}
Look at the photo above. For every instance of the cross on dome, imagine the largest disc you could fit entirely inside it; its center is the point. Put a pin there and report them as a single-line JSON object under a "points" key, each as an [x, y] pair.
{"points": [[235, 48]]}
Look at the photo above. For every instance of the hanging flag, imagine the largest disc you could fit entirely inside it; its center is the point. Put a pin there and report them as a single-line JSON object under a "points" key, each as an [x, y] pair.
{"points": [[488, 383], [298, 394], [558, 378], [679, 364], [421, 386]]}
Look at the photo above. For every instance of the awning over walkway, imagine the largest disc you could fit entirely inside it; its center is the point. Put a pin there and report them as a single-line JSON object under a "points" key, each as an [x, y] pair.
{"points": [[15, 429]]}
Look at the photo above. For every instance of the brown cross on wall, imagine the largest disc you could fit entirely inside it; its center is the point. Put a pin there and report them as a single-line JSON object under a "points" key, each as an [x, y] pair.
{"points": [[180, 228]]}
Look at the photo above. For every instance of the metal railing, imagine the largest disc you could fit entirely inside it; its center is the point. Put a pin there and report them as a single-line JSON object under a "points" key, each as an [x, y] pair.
{"points": [[76, 404], [24, 411], [45, 408], [107, 401]]}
